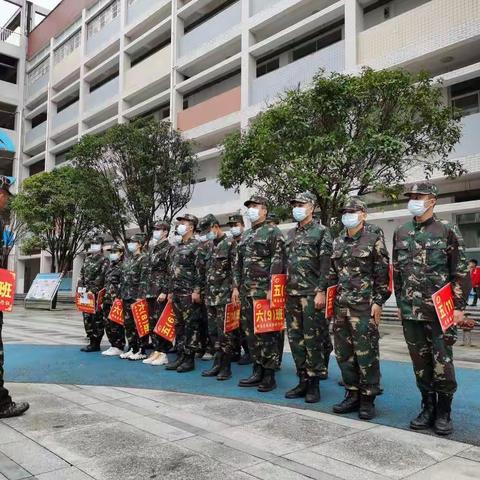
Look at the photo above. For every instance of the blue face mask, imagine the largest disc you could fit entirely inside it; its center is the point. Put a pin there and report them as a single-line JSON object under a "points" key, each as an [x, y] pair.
{"points": [[211, 236], [182, 229], [351, 220], [253, 214], [417, 207], [236, 231], [132, 247], [114, 257], [299, 213]]}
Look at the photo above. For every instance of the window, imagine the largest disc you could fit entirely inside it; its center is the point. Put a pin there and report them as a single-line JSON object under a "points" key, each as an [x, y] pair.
{"points": [[66, 48], [103, 18], [8, 69], [65, 104], [38, 167], [38, 72], [102, 82], [144, 54], [39, 119], [466, 96], [316, 44], [7, 116], [268, 66]]}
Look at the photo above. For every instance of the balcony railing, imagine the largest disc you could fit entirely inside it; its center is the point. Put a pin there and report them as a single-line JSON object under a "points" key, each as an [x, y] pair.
{"points": [[470, 142], [211, 192], [9, 36], [139, 8], [106, 94], [211, 29], [257, 6], [268, 87], [65, 117], [37, 86], [36, 134], [105, 35]]}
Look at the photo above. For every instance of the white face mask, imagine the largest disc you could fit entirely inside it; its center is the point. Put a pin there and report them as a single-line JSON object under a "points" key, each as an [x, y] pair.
{"points": [[202, 238], [158, 234], [132, 247], [177, 239], [96, 247], [114, 257], [253, 214], [299, 213], [417, 207], [236, 231], [351, 220], [211, 236], [182, 229]]}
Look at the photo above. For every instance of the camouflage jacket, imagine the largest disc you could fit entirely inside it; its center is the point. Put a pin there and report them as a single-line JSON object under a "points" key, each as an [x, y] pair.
{"points": [[113, 281], [203, 252], [92, 273], [309, 249], [183, 268], [219, 271], [427, 256], [260, 253], [155, 271], [360, 269], [132, 285]]}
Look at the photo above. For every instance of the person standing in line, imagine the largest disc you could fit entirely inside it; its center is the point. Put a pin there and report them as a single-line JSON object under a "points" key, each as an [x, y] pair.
{"points": [[475, 277]]}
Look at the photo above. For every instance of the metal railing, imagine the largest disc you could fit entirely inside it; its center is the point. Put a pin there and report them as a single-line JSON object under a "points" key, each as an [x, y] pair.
{"points": [[9, 36]]}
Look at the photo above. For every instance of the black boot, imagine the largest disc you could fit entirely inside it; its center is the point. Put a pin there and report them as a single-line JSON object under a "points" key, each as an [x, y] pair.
{"points": [[188, 364], [212, 372], [367, 407], [13, 409], [268, 382], [254, 379], [313, 390], [93, 346], [225, 367], [443, 423], [301, 389], [351, 402], [426, 418], [175, 363]]}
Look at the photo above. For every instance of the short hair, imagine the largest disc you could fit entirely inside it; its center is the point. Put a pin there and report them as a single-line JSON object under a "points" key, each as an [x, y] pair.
{"points": [[474, 260]]}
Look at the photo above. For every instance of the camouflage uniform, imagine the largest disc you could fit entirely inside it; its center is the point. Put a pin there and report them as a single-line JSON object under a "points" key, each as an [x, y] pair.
{"points": [[4, 396], [359, 268], [113, 280], [92, 277], [308, 248], [207, 332], [260, 253]]}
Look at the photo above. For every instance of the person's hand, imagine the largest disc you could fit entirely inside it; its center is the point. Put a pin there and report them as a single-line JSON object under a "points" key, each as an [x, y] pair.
{"points": [[161, 298], [319, 300], [235, 296], [376, 313], [458, 316], [196, 297], [399, 314]]}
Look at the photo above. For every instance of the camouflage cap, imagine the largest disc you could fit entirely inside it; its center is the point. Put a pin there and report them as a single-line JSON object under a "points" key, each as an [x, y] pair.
{"points": [[256, 199], [6, 182], [355, 204], [304, 197], [273, 217], [189, 218], [138, 238], [234, 219], [162, 225], [116, 247], [207, 222], [423, 188]]}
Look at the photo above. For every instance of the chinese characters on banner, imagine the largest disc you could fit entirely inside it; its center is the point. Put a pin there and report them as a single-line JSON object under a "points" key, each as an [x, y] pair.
{"points": [[100, 297], [266, 319], [330, 301], [278, 296], [140, 315], [444, 306], [116, 312], [232, 317], [165, 326], [86, 302], [7, 290]]}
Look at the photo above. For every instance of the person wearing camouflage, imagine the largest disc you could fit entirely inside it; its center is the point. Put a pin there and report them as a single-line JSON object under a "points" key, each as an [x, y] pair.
{"points": [[218, 273], [429, 253], [130, 291], [308, 248], [186, 302], [360, 270], [92, 278], [260, 253], [155, 283], [113, 279]]}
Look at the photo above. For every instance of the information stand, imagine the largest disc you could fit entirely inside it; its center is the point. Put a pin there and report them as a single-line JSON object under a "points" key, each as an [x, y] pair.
{"points": [[42, 294]]}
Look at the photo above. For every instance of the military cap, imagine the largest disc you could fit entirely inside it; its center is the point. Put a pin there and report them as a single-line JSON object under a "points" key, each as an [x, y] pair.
{"points": [[423, 188], [138, 238], [116, 247], [6, 183], [304, 197], [163, 225], [234, 219], [273, 217], [256, 199], [354, 203], [190, 218], [206, 222]]}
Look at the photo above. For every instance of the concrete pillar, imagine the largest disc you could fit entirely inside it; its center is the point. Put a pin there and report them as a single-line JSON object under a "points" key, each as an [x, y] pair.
{"points": [[353, 26]]}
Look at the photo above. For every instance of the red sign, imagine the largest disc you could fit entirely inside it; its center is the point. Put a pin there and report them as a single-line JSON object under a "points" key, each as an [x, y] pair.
{"points": [[140, 315], [444, 306], [7, 290], [165, 326], [100, 297], [232, 317], [278, 290], [390, 277], [266, 319], [86, 303], [116, 312], [330, 301]]}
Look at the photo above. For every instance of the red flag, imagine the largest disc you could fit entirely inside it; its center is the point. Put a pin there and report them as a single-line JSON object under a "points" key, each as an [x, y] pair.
{"points": [[278, 297], [232, 317], [7, 290], [330, 301], [116, 312], [165, 326], [100, 297], [140, 315], [266, 319], [444, 306]]}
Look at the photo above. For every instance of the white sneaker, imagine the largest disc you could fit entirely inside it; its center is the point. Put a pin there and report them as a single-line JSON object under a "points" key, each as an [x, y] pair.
{"points": [[126, 355], [161, 360], [149, 360], [137, 356], [113, 352]]}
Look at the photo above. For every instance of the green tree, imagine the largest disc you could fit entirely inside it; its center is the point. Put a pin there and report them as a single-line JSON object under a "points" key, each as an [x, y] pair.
{"points": [[145, 172], [59, 211], [345, 135]]}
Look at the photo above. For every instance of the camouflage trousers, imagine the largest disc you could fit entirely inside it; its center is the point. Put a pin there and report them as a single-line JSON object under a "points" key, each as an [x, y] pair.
{"points": [[135, 343], [94, 326], [432, 355], [187, 324], [207, 335], [308, 335], [223, 342], [357, 352], [115, 332], [155, 309], [264, 347], [4, 396]]}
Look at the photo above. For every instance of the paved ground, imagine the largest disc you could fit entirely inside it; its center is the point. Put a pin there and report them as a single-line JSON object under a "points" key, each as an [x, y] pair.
{"points": [[77, 432]]}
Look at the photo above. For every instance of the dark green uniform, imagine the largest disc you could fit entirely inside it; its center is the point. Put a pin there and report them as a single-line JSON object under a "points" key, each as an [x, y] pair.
{"points": [[308, 248], [359, 268], [207, 332], [113, 280]]}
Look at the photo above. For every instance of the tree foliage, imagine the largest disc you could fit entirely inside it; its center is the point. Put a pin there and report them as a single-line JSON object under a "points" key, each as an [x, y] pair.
{"points": [[145, 172], [58, 209], [345, 135]]}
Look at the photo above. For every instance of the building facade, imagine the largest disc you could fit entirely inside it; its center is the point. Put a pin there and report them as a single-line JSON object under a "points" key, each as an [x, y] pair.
{"points": [[210, 66]]}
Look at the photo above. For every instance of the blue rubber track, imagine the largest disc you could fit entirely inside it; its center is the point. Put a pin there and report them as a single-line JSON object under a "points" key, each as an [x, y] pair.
{"points": [[396, 407]]}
